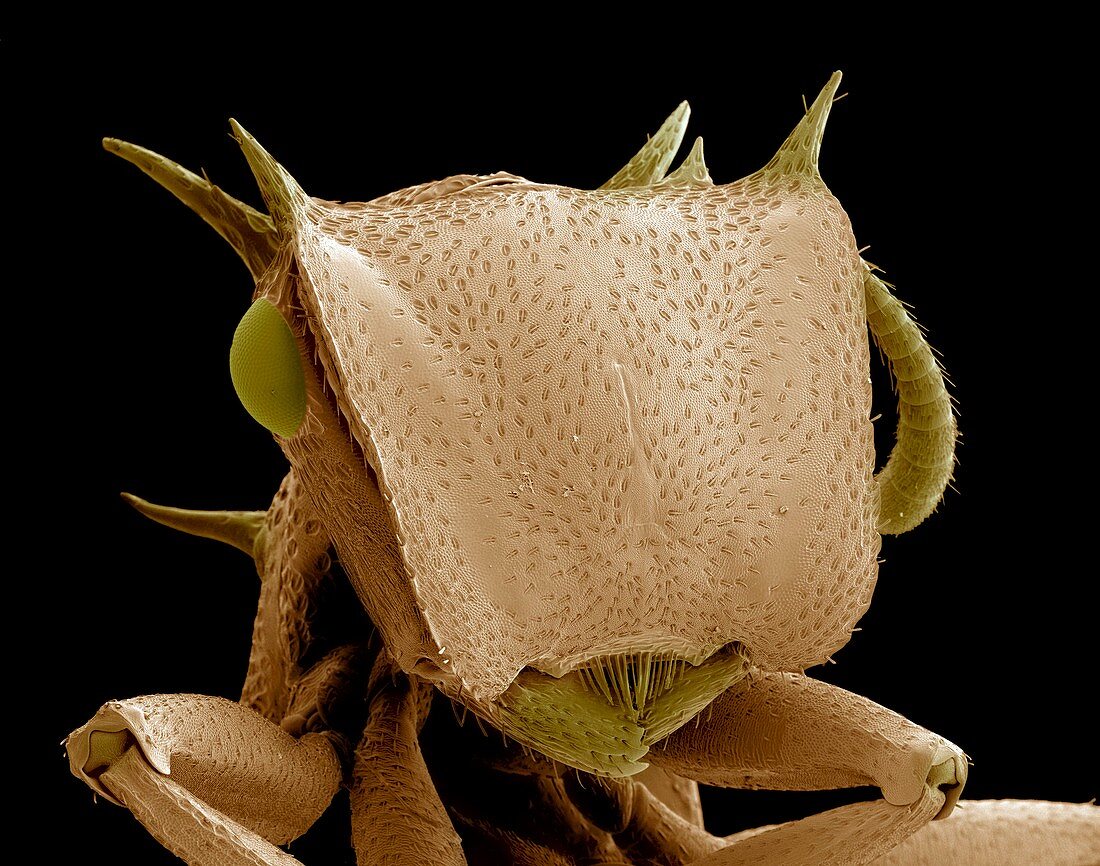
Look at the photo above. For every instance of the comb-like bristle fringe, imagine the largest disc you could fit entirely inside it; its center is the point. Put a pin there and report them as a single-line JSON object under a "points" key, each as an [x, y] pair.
{"points": [[631, 680], [641, 677], [600, 678]]}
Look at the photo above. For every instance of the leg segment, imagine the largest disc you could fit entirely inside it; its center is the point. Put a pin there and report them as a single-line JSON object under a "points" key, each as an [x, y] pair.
{"points": [[679, 794], [396, 814], [508, 802], [978, 833], [646, 830], [562, 838], [786, 731], [184, 824], [212, 780], [331, 697], [1005, 833], [293, 563], [848, 836]]}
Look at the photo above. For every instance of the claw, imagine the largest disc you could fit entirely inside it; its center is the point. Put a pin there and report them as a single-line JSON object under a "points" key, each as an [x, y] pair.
{"points": [[942, 768], [950, 777]]}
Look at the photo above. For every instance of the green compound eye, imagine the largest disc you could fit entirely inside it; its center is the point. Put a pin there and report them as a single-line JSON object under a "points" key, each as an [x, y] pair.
{"points": [[267, 369]]}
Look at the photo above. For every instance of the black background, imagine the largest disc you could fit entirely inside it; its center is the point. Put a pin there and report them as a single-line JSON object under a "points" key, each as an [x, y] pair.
{"points": [[122, 305]]}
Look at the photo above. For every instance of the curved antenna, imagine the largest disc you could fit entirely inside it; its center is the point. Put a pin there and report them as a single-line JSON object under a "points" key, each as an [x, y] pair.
{"points": [[912, 482]]}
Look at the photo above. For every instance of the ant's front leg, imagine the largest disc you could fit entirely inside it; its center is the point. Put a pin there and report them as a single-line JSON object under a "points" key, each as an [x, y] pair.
{"points": [[212, 780], [784, 731]]}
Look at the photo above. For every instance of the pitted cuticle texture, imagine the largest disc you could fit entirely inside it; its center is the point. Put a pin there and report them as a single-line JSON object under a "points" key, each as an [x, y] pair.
{"points": [[224, 755], [849, 836], [790, 732], [610, 419], [1006, 833], [293, 561], [184, 824], [396, 815]]}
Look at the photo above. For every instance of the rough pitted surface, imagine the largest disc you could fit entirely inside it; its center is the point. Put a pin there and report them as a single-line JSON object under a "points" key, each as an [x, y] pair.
{"points": [[610, 420], [330, 470], [785, 731], [187, 826], [292, 560], [644, 828], [396, 814], [1006, 833], [225, 755], [849, 836]]}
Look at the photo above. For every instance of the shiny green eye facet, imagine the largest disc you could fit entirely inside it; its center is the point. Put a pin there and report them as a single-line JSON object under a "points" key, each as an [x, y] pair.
{"points": [[267, 369]]}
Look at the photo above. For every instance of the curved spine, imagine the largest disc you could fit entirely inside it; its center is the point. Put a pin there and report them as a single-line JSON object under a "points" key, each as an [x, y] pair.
{"points": [[251, 233], [649, 164]]}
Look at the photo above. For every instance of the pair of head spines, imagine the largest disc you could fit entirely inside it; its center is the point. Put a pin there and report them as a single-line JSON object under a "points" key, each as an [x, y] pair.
{"points": [[256, 237], [798, 155]]}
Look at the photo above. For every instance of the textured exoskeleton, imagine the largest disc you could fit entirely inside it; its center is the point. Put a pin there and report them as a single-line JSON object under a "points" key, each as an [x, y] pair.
{"points": [[593, 461]]}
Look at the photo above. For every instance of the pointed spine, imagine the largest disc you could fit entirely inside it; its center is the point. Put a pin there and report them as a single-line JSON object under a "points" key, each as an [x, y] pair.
{"points": [[692, 171], [237, 528], [800, 152], [650, 163], [285, 199], [919, 468], [250, 233]]}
